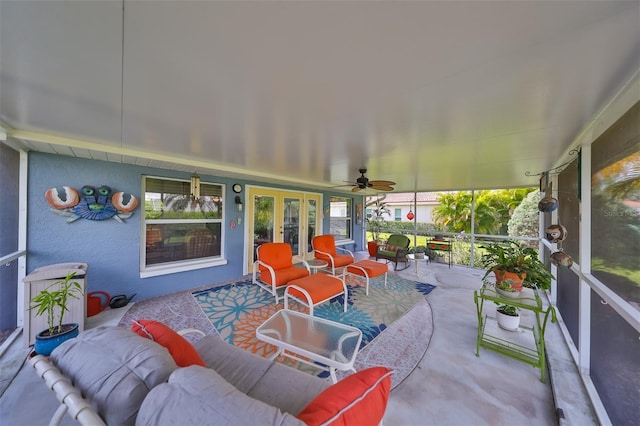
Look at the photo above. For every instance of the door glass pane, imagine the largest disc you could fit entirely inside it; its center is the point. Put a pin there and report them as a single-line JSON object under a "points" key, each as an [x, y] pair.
{"points": [[291, 224], [311, 223], [263, 219]]}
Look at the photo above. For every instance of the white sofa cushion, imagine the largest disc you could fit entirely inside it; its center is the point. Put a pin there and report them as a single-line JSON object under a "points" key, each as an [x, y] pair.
{"points": [[199, 396], [114, 369]]}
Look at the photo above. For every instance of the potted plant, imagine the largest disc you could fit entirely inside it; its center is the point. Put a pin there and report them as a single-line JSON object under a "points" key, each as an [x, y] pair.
{"points": [[508, 317], [517, 262], [507, 288], [418, 251], [52, 302], [374, 223]]}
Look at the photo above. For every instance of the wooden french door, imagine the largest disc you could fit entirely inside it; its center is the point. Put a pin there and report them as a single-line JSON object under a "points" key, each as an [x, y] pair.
{"points": [[274, 215]]}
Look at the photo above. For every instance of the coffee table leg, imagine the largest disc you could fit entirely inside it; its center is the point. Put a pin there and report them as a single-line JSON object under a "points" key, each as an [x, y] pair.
{"points": [[275, 355], [332, 372]]}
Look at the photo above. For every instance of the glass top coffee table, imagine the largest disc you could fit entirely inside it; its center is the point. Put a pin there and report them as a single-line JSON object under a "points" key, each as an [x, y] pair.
{"points": [[299, 336]]}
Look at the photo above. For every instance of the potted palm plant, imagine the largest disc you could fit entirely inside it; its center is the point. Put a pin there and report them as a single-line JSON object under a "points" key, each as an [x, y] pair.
{"points": [[52, 302], [517, 262], [374, 223]]}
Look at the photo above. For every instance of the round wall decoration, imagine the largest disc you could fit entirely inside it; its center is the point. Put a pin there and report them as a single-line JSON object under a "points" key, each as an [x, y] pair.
{"points": [[237, 188], [556, 233]]}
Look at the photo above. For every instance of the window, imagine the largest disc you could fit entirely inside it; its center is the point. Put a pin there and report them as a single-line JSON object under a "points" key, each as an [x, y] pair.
{"points": [[177, 230], [397, 214], [340, 226]]}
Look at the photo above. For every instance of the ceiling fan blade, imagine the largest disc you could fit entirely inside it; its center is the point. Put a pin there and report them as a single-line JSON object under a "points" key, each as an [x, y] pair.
{"points": [[382, 187], [356, 189], [382, 182]]}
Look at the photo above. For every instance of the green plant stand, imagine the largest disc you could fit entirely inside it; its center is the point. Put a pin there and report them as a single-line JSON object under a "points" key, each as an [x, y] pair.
{"points": [[509, 343]]}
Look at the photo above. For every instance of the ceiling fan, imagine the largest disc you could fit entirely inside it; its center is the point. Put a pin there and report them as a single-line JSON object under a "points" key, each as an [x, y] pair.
{"points": [[363, 182]]}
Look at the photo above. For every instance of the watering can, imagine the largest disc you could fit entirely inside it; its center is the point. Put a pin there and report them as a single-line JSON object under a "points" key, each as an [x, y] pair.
{"points": [[94, 302], [120, 300]]}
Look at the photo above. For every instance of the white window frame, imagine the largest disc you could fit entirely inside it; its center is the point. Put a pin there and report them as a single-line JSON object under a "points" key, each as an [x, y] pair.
{"points": [[348, 218], [180, 265]]}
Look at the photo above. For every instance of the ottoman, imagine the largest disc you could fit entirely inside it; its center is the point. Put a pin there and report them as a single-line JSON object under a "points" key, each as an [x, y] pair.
{"points": [[367, 269], [314, 290]]}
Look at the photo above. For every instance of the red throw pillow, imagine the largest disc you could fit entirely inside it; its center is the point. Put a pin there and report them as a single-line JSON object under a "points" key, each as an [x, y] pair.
{"points": [[359, 399], [183, 352]]}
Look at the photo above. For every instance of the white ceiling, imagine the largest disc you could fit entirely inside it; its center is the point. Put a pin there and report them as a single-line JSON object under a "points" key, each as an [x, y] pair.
{"points": [[433, 94]]}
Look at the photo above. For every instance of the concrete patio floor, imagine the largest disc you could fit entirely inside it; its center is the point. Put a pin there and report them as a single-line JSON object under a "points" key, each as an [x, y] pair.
{"points": [[450, 385]]}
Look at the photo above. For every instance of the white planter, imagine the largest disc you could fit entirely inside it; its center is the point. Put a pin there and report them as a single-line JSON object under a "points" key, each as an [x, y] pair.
{"points": [[508, 322]]}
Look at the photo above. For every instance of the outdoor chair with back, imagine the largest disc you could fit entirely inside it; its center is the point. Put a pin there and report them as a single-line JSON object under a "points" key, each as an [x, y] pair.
{"points": [[324, 248], [395, 250], [275, 267]]}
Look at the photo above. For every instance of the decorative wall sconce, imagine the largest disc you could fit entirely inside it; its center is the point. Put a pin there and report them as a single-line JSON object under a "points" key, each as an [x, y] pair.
{"points": [[238, 203]]}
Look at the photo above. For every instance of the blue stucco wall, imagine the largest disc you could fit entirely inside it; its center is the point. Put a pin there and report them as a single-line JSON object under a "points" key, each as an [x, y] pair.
{"points": [[111, 249]]}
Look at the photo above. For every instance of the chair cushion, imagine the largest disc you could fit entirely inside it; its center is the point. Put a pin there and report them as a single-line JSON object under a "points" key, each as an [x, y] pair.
{"points": [[183, 352], [319, 286], [398, 240], [283, 276], [276, 255], [199, 396], [371, 269], [358, 399], [392, 248], [342, 260], [325, 243], [114, 369], [258, 377]]}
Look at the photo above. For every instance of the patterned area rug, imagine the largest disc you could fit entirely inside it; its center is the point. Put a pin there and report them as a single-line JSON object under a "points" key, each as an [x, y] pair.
{"points": [[237, 309]]}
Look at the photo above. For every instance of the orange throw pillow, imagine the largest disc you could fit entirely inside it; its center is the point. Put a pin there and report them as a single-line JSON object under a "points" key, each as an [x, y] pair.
{"points": [[359, 399], [183, 352]]}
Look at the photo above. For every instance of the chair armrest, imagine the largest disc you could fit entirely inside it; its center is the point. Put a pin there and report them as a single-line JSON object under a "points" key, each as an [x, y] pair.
{"points": [[191, 330], [70, 397], [349, 252], [325, 254], [269, 267], [402, 253], [304, 262]]}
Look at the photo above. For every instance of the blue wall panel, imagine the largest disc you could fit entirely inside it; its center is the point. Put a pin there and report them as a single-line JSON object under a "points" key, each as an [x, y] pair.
{"points": [[112, 249]]}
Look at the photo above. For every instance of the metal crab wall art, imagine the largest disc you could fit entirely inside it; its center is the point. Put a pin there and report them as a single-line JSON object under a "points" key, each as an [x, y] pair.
{"points": [[91, 204]]}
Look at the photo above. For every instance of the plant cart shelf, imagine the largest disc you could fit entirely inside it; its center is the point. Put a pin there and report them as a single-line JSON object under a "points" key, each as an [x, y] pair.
{"points": [[441, 246], [511, 343]]}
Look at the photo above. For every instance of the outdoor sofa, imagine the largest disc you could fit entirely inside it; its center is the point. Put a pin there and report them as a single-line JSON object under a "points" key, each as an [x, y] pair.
{"points": [[128, 379]]}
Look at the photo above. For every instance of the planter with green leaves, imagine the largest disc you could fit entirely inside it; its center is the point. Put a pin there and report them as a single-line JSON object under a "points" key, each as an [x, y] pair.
{"points": [[374, 223], [508, 317], [418, 251], [511, 260], [53, 302]]}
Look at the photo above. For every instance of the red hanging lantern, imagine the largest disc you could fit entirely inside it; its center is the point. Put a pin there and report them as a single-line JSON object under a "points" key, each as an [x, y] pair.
{"points": [[410, 215]]}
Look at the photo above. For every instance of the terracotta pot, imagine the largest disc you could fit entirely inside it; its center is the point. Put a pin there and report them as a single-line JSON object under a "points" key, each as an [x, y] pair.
{"points": [[373, 248], [516, 278]]}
